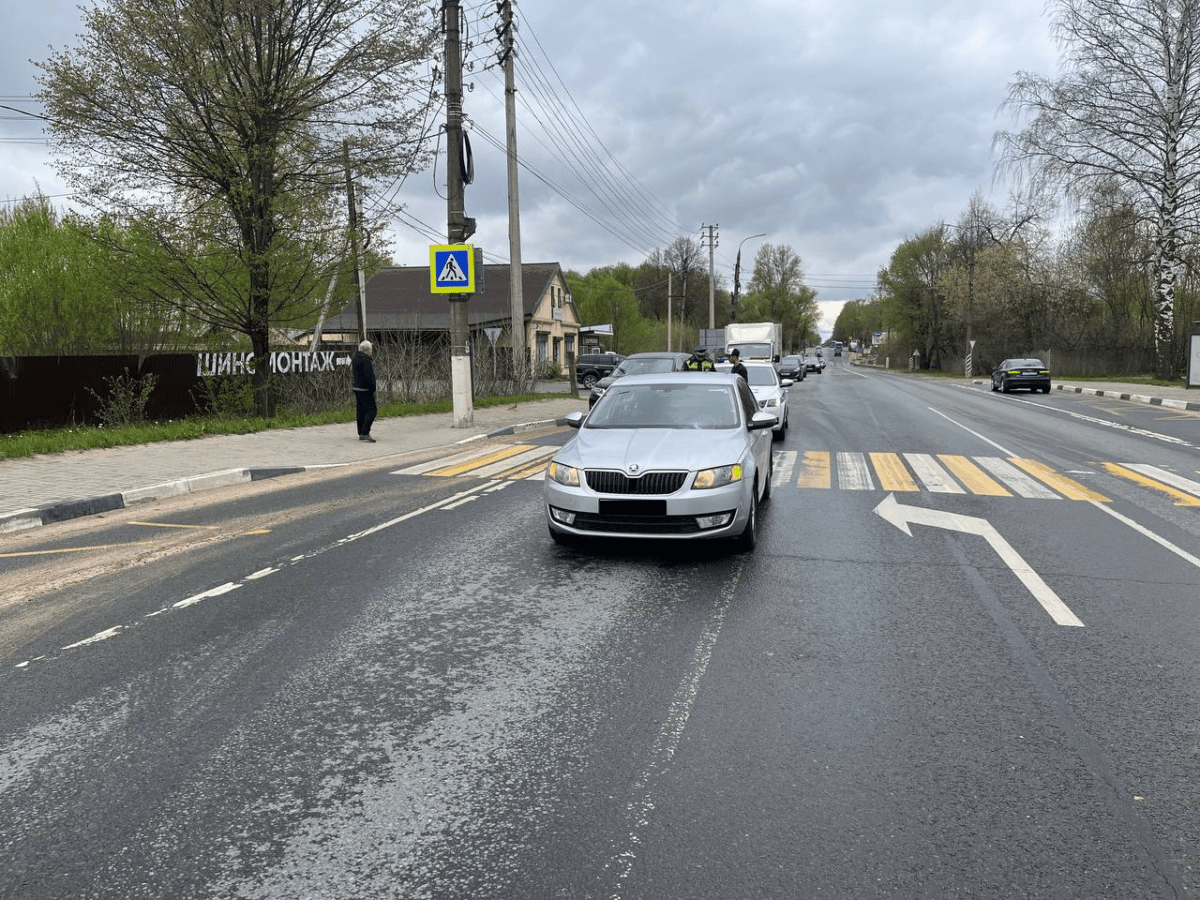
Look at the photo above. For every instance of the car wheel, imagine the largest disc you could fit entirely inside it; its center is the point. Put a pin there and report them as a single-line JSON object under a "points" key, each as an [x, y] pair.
{"points": [[589, 380], [1004, 388], [994, 388], [1046, 389], [749, 537], [770, 475]]}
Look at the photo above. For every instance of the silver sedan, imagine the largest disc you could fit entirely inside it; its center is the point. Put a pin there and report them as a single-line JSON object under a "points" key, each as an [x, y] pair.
{"points": [[683, 455]]}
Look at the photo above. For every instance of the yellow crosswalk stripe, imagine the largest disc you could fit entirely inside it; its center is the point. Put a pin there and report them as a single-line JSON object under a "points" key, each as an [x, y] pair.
{"points": [[815, 470], [891, 472], [1068, 487], [479, 462], [1182, 498], [974, 478]]}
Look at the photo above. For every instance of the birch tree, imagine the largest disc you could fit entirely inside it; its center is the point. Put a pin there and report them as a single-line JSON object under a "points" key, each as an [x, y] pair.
{"points": [[1125, 111]]}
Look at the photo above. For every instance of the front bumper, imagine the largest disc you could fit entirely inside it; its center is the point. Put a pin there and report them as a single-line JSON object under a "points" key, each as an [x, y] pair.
{"points": [[686, 515]]}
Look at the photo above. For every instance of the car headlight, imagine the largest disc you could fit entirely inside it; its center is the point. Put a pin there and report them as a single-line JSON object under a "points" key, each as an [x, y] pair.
{"points": [[770, 401], [567, 475], [714, 478]]}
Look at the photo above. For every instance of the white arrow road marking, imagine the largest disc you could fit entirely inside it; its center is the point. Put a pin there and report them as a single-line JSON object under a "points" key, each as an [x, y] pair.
{"points": [[902, 516]]}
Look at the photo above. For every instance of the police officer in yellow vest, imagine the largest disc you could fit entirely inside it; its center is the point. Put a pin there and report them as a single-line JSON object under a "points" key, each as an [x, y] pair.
{"points": [[699, 361]]}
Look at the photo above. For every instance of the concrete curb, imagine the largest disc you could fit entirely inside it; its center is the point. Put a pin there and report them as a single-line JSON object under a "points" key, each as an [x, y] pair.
{"points": [[1136, 398], [74, 509], [61, 512], [560, 422]]}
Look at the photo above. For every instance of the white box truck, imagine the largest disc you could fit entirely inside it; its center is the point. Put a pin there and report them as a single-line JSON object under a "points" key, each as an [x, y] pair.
{"points": [[755, 340]]}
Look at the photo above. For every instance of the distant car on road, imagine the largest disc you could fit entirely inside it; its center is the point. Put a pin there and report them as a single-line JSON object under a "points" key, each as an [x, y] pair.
{"points": [[638, 364], [792, 367], [674, 455], [591, 367], [1025, 374], [814, 364], [769, 389]]}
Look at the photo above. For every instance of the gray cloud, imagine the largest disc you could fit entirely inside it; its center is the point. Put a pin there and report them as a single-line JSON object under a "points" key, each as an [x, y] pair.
{"points": [[839, 128]]}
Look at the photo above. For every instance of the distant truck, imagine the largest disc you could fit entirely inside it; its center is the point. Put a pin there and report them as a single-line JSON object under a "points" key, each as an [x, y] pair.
{"points": [[755, 340]]}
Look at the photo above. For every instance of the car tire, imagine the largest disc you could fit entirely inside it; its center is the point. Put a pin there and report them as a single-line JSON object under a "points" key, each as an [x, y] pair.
{"points": [[745, 542], [994, 388], [1046, 389], [589, 380], [563, 540], [770, 475], [1004, 388]]}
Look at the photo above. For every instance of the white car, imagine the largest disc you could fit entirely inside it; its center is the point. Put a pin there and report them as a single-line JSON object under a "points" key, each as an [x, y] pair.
{"points": [[680, 456], [769, 389]]}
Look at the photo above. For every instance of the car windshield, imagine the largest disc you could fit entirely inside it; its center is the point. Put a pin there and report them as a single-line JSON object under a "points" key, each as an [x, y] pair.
{"points": [[790, 361], [649, 365], [760, 376], [666, 406]]}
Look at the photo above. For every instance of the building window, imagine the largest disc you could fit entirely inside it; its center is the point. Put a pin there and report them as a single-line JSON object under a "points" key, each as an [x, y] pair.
{"points": [[542, 347]]}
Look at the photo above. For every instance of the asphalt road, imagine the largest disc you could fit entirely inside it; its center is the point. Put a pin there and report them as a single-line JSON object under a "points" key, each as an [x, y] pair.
{"points": [[388, 681]]}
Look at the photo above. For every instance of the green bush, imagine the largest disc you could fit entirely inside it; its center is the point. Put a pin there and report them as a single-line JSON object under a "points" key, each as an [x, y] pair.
{"points": [[126, 400]]}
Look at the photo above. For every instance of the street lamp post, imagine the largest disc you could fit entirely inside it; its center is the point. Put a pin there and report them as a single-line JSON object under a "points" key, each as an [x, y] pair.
{"points": [[737, 270]]}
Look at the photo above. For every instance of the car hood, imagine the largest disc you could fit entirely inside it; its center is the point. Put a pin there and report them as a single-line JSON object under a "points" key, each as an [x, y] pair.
{"points": [[654, 448], [766, 392]]}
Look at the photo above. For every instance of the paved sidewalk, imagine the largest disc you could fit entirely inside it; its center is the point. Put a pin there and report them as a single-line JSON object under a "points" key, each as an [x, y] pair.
{"points": [[53, 488]]}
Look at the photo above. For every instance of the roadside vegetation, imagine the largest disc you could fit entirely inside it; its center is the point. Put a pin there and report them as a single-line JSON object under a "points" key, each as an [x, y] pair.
{"points": [[64, 440]]}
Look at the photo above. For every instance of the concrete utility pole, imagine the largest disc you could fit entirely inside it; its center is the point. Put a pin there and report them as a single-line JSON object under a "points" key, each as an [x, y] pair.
{"points": [[712, 245], [516, 289], [458, 226]]}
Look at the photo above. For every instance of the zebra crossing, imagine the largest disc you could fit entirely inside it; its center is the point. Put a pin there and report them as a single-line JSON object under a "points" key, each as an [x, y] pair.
{"points": [[889, 472]]}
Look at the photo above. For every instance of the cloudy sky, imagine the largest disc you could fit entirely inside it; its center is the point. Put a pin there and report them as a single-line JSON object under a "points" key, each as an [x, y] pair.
{"points": [[837, 127]]}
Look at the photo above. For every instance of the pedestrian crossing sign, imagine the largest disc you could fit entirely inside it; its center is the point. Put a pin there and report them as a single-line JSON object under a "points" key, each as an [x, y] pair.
{"points": [[452, 269]]}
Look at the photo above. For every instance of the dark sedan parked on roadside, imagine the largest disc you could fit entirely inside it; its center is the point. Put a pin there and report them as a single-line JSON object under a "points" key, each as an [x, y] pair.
{"points": [[1025, 374]]}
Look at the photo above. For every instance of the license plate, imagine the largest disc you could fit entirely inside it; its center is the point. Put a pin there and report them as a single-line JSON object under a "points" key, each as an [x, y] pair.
{"points": [[633, 507]]}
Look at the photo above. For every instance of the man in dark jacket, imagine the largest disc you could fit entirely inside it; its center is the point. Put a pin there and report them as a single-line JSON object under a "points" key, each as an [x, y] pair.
{"points": [[735, 357], [363, 386]]}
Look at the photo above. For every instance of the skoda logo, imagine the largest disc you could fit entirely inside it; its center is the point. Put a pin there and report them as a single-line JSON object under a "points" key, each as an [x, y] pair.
{"points": [[633, 468]]}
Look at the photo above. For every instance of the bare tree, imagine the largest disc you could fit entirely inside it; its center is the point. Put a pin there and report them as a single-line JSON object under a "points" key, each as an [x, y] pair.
{"points": [[687, 261], [1127, 112], [215, 130]]}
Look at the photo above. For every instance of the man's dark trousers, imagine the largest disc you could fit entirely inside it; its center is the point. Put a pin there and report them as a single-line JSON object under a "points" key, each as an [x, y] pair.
{"points": [[366, 409]]}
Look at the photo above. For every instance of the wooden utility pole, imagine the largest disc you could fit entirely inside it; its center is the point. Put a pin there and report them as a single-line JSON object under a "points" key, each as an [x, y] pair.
{"points": [[458, 226], [516, 289], [361, 307]]}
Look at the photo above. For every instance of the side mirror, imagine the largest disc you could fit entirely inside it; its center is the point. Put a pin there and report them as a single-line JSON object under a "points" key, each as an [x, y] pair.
{"points": [[575, 418], [763, 420]]}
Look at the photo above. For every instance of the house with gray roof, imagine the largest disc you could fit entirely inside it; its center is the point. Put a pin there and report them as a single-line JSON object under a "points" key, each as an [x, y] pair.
{"points": [[399, 304]]}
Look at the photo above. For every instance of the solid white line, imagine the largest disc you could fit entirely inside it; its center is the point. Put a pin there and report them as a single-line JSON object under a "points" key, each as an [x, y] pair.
{"points": [[969, 431], [639, 810], [1162, 541]]}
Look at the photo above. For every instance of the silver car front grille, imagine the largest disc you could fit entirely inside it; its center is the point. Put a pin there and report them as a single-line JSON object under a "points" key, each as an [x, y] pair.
{"points": [[606, 482]]}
